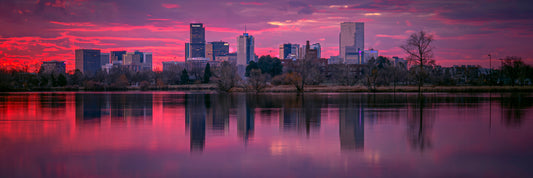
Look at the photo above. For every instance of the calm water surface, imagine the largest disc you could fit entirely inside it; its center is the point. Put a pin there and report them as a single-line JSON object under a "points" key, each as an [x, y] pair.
{"points": [[174, 134]]}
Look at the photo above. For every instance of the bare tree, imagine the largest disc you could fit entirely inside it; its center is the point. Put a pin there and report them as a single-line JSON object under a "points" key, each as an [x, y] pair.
{"points": [[226, 76], [515, 69], [398, 73], [305, 72], [257, 80], [419, 49], [345, 74]]}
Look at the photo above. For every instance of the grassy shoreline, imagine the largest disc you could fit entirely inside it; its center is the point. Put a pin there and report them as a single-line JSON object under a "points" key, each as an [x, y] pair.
{"points": [[312, 89]]}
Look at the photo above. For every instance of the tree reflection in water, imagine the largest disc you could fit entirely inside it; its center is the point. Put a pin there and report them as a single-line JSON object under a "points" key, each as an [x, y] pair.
{"points": [[419, 124], [513, 107]]}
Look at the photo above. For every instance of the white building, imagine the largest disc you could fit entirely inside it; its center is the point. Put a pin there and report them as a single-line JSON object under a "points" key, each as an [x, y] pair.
{"points": [[351, 42], [245, 49]]}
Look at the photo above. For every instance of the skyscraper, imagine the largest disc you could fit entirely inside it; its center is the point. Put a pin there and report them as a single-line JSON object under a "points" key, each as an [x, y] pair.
{"points": [[132, 61], [116, 56], [140, 54], [197, 41], [147, 65], [209, 51], [311, 54], [220, 48], [315, 46], [351, 41], [88, 60], [104, 58], [289, 51], [187, 50], [245, 49]]}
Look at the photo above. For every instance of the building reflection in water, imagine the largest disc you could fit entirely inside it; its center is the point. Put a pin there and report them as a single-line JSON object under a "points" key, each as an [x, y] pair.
{"points": [[88, 109], [135, 107], [301, 113], [351, 124], [121, 108], [245, 106], [195, 117], [217, 107], [206, 112]]}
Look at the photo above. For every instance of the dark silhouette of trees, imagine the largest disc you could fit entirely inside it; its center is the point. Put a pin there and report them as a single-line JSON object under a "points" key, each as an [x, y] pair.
{"points": [[257, 80], [295, 79], [267, 64], [371, 74], [207, 73], [226, 76], [184, 79], [344, 74], [514, 68], [398, 73], [61, 80], [270, 65], [419, 49], [76, 78], [377, 73], [251, 66], [121, 82]]}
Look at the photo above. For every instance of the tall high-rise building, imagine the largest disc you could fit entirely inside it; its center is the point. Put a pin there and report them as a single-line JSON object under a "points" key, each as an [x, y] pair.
{"points": [[116, 56], [245, 49], [187, 50], [132, 58], [140, 54], [104, 58], [132, 61], [289, 51], [315, 46], [209, 51], [147, 65], [351, 41], [311, 54], [197, 41], [220, 48], [88, 60]]}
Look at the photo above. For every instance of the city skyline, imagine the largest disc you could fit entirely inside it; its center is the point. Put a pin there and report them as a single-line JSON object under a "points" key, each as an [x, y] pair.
{"points": [[465, 32]]}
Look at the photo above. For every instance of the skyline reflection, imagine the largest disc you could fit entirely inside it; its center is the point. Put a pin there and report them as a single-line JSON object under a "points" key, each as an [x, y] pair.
{"points": [[162, 129]]}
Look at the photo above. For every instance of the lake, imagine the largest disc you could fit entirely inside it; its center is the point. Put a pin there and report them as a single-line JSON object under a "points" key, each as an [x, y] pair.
{"points": [[188, 134]]}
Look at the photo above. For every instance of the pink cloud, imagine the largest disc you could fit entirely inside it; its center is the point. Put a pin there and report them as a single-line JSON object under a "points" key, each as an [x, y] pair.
{"points": [[397, 37], [408, 23], [170, 6], [252, 3]]}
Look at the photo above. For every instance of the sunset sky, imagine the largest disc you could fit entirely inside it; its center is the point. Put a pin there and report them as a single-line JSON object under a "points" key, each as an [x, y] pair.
{"points": [[33, 31]]}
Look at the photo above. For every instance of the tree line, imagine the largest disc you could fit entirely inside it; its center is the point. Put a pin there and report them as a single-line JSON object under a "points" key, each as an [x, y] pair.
{"points": [[269, 71]]}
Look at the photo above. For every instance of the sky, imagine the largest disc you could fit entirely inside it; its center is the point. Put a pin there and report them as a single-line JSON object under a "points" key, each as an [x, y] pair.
{"points": [[465, 32]]}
